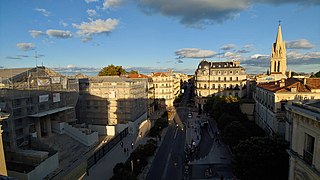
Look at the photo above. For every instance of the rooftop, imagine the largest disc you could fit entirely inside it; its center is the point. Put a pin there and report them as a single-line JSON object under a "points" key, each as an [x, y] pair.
{"points": [[278, 86]]}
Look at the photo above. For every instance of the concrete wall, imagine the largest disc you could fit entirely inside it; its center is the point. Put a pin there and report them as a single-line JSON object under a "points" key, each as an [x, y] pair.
{"points": [[41, 171], [75, 133], [103, 130], [134, 126], [86, 139], [248, 109], [57, 127]]}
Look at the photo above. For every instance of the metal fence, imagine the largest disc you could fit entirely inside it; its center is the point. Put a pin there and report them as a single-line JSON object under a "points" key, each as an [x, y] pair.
{"points": [[103, 150]]}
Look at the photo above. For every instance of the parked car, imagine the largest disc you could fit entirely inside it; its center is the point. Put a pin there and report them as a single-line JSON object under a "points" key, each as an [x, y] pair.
{"points": [[189, 115]]}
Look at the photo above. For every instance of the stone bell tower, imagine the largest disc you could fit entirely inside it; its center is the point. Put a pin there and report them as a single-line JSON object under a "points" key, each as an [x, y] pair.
{"points": [[278, 61]]}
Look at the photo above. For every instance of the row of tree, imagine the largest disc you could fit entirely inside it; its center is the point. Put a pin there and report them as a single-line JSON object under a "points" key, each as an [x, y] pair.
{"points": [[255, 156], [136, 162], [113, 70]]}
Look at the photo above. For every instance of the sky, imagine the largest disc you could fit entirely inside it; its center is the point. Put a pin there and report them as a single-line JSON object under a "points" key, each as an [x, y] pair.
{"points": [[73, 36]]}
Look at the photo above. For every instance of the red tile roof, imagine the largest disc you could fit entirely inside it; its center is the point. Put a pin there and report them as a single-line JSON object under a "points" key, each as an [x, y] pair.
{"points": [[313, 83], [137, 76], [162, 74], [291, 83]]}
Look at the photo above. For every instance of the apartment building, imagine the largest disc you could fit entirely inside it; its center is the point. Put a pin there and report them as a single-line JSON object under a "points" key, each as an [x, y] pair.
{"points": [[303, 133], [219, 78], [3, 168], [34, 98], [150, 90], [112, 101], [165, 91], [271, 98]]}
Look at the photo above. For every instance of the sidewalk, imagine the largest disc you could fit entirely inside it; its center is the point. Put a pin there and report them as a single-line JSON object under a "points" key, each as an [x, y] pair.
{"points": [[103, 169], [193, 135], [219, 158]]}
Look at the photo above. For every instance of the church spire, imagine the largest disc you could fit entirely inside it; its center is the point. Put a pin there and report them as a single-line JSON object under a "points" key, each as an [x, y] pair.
{"points": [[279, 35], [278, 62]]}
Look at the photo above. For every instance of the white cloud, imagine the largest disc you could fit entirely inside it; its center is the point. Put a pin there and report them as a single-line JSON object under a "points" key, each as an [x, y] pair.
{"points": [[35, 33], [110, 3], [258, 56], [194, 53], [295, 57], [228, 47], [96, 27], [300, 44], [90, 1], [92, 12], [86, 39], [232, 56], [43, 11], [62, 23], [25, 46], [59, 33]]}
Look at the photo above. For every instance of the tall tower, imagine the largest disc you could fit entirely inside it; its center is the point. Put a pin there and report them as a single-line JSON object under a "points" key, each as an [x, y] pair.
{"points": [[278, 61]]}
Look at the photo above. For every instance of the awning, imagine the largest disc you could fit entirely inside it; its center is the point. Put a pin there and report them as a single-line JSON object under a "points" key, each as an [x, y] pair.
{"points": [[52, 111]]}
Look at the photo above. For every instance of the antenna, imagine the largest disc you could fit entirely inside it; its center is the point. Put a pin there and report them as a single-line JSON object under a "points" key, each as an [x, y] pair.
{"points": [[36, 56]]}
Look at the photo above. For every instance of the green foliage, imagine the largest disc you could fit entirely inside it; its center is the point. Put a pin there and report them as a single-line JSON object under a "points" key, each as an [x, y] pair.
{"points": [[133, 72], [261, 158], [225, 119], [112, 70], [139, 160], [160, 123], [317, 75], [122, 171], [234, 132]]}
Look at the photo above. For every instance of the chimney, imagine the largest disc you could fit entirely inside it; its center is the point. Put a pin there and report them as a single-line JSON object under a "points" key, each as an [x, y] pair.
{"points": [[282, 83]]}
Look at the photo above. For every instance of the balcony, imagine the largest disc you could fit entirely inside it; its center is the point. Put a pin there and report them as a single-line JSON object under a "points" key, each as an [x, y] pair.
{"points": [[307, 157]]}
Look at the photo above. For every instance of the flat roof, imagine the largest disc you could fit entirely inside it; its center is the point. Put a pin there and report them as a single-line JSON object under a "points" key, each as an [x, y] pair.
{"points": [[52, 111]]}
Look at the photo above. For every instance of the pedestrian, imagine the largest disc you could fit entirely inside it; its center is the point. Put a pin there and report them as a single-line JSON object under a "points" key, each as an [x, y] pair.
{"points": [[121, 143], [124, 150], [127, 151], [131, 145]]}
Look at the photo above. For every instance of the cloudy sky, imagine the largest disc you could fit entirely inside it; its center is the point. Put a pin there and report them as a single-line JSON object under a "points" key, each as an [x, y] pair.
{"points": [[154, 35]]}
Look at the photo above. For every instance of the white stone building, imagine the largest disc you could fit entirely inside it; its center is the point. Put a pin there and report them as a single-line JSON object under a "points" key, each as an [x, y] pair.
{"points": [[303, 133], [219, 78]]}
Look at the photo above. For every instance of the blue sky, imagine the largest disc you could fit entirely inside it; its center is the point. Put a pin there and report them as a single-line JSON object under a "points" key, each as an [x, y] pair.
{"points": [[154, 35]]}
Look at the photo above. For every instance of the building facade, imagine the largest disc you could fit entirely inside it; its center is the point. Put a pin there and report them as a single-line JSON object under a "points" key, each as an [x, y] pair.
{"points": [[271, 98], [303, 133], [3, 168], [34, 98], [112, 101], [150, 90], [219, 78], [164, 85]]}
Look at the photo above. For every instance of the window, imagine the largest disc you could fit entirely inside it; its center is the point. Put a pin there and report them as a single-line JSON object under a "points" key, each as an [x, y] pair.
{"points": [[224, 86], [213, 86], [225, 78], [230, 78], [219, 79], [308, 149], [237, 79], [205, 86], [230, 72]]}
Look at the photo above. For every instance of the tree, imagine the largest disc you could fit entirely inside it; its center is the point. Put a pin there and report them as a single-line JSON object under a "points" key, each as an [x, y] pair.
{"points": [[225, 119], [133, 72], [234, 132], [261, 158], [316, 75], [112, 70]]}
